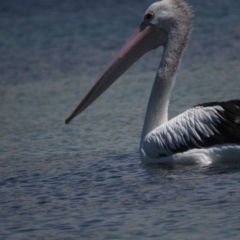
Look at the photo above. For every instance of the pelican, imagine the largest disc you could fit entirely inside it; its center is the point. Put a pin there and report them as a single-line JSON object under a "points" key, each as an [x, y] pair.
{"points": [[206, 133]]}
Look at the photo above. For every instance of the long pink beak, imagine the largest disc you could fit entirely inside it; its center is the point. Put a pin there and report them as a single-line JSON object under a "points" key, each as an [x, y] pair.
{"points": [[145, 38]]}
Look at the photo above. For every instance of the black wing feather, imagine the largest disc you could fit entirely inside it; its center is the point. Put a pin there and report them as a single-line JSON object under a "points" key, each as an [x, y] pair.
{"points": [[229, 126], [228, 129]]}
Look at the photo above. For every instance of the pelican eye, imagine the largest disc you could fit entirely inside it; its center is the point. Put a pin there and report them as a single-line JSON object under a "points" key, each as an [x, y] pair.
{"points": [[149, 16]]}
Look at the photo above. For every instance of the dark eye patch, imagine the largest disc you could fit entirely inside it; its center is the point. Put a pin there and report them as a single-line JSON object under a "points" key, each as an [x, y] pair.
{"points": [[149, 16]]}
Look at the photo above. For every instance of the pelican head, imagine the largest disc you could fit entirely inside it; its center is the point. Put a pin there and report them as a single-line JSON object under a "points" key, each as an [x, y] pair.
{"points": [[162, 20]]}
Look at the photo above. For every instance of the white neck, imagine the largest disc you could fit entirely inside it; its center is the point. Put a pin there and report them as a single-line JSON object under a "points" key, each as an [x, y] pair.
{"points": [[157, 109]]}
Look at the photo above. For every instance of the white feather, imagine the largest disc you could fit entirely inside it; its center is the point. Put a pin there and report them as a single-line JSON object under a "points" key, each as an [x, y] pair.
{"points": [[222, 153], [170, 136]]}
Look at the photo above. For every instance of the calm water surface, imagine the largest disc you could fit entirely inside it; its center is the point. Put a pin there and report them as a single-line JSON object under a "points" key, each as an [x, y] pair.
{"points": [[85, 180]]}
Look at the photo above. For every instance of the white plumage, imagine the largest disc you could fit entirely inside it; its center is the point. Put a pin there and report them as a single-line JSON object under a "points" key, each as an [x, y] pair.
{"points": [[207, 133], [219, 153], [177, 132]]}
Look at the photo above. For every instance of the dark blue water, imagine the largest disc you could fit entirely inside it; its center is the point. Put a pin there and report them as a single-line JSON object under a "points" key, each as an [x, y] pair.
{"points": [[85, 180]]}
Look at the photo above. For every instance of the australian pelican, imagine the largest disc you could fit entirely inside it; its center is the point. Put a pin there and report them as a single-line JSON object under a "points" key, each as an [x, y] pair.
{"points": [[206, 133]]}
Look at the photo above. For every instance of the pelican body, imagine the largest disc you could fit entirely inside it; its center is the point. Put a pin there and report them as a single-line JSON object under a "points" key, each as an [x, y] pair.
{"points": [[205, 133]]}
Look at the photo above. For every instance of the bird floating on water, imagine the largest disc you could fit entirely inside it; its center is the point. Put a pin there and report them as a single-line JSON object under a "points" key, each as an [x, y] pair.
{"points": [[206, 133]]}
